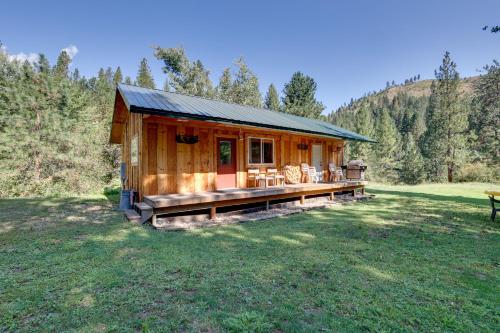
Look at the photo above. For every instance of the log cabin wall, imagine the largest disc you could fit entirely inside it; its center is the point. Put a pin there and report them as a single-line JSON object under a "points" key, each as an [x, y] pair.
{"points": [[132, 128], [170, 167]]}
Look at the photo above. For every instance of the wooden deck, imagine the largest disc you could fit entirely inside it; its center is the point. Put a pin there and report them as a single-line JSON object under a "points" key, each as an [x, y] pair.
{"points": [[154, 205]]}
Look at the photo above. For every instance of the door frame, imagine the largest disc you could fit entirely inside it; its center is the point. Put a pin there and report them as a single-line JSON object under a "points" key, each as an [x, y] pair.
{"points": [[320, 171], [217, 138]]}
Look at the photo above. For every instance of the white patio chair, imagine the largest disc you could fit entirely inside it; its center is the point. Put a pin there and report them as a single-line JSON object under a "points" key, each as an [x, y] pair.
{"points": [[313, 175]]}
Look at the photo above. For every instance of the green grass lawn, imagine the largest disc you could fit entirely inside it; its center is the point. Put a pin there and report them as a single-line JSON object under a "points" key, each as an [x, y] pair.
{"points": [[421, 258]]}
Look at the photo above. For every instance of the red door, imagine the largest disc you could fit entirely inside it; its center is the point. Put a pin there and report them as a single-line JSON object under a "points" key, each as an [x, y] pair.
{"points": [[226, 163]]}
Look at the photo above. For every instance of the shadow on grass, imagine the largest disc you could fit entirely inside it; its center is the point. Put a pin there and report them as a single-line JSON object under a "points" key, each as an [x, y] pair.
{"points": [[400, 260]]}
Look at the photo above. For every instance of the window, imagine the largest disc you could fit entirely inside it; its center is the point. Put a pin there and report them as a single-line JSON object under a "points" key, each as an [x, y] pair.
{"points": [[225, 152], [260, 151]]}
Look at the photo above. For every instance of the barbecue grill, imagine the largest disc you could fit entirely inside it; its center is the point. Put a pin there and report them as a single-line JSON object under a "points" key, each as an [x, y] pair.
{"points": [[355, 170]]}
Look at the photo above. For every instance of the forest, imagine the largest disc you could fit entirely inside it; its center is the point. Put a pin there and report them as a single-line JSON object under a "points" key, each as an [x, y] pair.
{"points": [[54, 122]]}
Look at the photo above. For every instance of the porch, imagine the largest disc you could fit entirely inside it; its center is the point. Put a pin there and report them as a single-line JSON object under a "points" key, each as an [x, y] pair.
{"points": [[155, 205]]}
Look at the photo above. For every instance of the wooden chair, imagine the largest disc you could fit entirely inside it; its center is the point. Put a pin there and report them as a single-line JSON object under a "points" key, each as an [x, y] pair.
{"points": [[313, 175], [304, 168], [255, 176], [331, 171], [275, 176], [335, 174]]}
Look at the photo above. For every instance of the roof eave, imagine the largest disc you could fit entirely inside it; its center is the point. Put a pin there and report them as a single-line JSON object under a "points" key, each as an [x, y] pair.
{"points": [[180, 115]]}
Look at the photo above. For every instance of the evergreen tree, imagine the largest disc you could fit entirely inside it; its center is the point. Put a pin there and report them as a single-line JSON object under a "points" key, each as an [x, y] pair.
{"points": [[412, 164], [447, 123], [118, 77], [485, 118], [185, 76], [61, 69], [224, 89], [245, 88], [75, 76], [364, 126], [166, 85], [387, 147], [144, 77], [127, 80], [272, 101], [299, 97]]}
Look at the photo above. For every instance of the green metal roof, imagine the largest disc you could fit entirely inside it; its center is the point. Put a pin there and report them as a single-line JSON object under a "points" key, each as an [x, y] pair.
{"points": [[175, 105]]}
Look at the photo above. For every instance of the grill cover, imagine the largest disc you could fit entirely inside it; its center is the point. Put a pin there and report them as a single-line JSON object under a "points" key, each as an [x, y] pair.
{"points": [[356, 170], [355, 164]]}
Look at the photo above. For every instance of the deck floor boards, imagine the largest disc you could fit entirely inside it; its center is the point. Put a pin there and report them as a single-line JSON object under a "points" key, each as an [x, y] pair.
{"points": [[177, 199]]}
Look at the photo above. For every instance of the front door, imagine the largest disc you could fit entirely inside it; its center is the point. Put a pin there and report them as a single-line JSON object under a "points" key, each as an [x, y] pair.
{"points": [[317, 159], [226, 163]]}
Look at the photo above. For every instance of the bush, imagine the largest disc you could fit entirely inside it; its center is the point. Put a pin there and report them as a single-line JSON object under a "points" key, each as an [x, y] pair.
{"points": [[478, 172]]}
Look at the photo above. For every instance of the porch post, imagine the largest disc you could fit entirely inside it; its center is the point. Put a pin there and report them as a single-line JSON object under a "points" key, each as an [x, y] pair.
{"points": [[212, 212]]}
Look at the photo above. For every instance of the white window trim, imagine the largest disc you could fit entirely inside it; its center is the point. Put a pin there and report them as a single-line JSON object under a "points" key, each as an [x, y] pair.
{"points": [[261, 150]]}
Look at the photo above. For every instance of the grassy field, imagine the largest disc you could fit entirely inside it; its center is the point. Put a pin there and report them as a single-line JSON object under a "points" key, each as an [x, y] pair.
{"points": [[421, 258]]}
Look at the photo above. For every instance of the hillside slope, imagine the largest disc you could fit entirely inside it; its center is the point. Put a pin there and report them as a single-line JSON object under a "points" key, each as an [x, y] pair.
{"points": [[417, 89], [423, 88]]}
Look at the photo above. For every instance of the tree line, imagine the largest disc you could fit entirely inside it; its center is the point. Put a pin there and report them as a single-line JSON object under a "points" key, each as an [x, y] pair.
{"points": [[447, 136], [54, 123]]}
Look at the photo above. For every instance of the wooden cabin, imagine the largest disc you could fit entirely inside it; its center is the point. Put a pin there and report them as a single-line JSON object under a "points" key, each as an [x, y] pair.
{"points": [[176, 144]]}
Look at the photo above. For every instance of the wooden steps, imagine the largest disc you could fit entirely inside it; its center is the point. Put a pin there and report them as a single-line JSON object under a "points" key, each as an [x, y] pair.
{"points": [[132, 216], [145, 211]]}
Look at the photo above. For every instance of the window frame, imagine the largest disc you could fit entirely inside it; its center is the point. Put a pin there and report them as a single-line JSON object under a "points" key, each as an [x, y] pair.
{"points": [[249, 151]]}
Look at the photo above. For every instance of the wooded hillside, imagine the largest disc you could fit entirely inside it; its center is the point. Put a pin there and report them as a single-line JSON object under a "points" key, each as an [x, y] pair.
{"points": [[429, 130], [54, 123]]}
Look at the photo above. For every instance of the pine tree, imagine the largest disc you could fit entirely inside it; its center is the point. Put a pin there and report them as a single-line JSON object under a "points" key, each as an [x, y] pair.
{"points": [[272, 101], [185, 76], [245, 87], [61, 69], [412, 169], [118, 77], [447, 123], [485, 118], [387, 148], [127, 80], [166, 85], [299, 97], [225, 86], [364, 126], [144, 77]]}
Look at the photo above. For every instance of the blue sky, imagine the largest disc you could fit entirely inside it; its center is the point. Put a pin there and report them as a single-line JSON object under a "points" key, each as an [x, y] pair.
{"points": [[348, 47]]}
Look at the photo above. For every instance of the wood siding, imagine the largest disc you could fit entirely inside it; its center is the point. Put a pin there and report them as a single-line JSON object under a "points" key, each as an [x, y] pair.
{"points": [[166, 166]]}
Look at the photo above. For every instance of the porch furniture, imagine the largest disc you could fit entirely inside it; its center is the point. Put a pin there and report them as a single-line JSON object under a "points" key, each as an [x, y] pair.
{"points": [[292, 174], [335, 174], [494, 210], [255, 176], [355, 169], [313, 175], [277, 177], [304, 168]]}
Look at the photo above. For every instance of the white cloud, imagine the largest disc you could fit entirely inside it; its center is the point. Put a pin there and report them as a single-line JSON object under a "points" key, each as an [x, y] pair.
{"points": [[71, 50], [22, 57]]}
